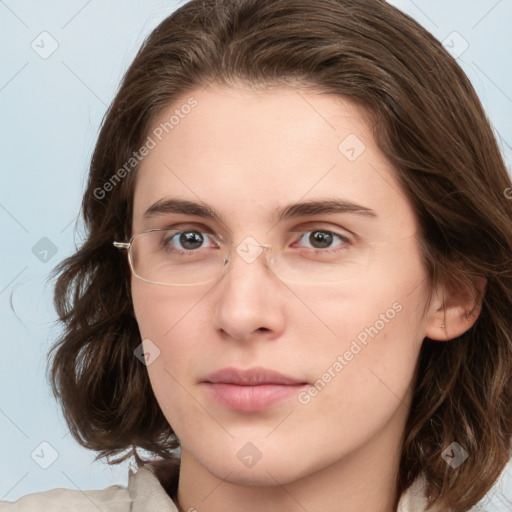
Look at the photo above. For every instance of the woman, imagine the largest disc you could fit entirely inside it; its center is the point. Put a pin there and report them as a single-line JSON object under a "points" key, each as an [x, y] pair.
{"points": [[296, 287]]}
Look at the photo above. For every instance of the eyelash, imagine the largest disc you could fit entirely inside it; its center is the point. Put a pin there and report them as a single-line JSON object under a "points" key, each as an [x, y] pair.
{"points": [[343, 240]]}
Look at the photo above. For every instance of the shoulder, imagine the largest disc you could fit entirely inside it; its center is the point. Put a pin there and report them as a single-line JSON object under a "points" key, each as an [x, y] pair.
{"points": [[111, 499], [415, 500], [145, 492]]}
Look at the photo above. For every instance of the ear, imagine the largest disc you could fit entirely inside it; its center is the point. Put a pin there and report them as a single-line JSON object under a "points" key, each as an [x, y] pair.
{"points": [[453, 310]]}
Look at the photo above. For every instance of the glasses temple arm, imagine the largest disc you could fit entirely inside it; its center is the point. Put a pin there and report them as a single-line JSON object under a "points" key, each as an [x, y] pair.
{"points": [[121, 245]]}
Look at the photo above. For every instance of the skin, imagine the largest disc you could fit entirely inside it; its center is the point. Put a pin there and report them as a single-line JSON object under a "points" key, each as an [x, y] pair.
{"points": [[247, 153]]}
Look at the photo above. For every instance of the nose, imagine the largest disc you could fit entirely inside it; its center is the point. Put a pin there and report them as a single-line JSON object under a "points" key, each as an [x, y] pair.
{"points": [[249, 300]]}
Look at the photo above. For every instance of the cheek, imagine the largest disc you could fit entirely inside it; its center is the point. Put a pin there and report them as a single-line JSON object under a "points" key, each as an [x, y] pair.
{"points": [[172, 322], [386, 307], [363, 377], [161, 311], [378, 331], [376, 337], [177, 329]]}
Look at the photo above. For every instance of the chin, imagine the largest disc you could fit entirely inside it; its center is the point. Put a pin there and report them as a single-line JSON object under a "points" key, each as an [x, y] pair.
{"points": [[263, 474], [274, 467]]}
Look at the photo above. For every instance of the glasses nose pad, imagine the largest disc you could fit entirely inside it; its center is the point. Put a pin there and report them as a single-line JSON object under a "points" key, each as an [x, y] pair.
{"points": [[272, 259], [266, 252]]}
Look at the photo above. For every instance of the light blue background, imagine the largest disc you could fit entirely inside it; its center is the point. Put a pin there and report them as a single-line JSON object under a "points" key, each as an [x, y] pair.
{"points": [[50, 112]]}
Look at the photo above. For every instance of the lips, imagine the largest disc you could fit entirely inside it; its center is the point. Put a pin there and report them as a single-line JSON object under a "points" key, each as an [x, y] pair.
{"points": [[250, 390], [251, 377]]}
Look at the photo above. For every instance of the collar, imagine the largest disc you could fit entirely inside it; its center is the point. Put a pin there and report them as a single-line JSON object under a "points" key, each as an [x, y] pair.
{"points": [[152, 485]]}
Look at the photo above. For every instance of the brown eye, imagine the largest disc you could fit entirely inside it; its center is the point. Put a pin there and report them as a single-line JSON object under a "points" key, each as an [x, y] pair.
{"points": [[321, 239], [191, 240], [185, 240]]}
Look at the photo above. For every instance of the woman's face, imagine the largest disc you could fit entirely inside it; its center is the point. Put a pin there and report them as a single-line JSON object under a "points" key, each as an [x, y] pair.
{"points": [[345, 328]]}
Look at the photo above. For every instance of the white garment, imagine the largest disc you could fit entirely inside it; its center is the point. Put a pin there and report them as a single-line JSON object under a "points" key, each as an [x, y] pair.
{"points": [[145, 493]]}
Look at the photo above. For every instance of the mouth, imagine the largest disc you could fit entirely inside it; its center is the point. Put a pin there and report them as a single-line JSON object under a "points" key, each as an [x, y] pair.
{"points": [[250, 390]]}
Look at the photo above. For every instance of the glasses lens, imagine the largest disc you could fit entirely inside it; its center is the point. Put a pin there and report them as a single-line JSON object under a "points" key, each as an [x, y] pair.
{"points": [[176, 257], [344, 263], [322, 267]]}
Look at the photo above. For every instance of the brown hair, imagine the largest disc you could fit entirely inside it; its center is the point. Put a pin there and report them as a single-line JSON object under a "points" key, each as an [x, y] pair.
{"points": [[427, 120]]}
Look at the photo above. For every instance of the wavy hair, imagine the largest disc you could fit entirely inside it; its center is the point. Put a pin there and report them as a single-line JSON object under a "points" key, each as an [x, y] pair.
{"points": [[427, 120]]}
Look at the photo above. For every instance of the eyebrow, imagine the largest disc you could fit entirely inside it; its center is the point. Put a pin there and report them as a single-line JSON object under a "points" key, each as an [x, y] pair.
{"points": [[164, 206], [292, 211], [308, 208]]}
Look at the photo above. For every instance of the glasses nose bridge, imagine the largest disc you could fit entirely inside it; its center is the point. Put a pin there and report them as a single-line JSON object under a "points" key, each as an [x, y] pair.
{"points": [[250, 250]]}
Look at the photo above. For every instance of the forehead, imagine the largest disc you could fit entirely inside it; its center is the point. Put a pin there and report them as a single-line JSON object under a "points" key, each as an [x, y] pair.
{"points": [[248, 152]]}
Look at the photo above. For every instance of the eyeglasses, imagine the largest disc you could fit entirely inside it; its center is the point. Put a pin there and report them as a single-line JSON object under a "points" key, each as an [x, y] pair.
{"points": [[188, 257]]}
